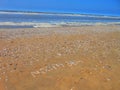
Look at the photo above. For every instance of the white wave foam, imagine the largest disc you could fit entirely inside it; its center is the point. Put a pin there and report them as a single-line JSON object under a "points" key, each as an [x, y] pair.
{"points": [[24, 13], [36, 24]]}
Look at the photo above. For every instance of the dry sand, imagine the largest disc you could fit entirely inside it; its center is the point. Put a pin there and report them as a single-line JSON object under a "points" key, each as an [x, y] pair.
{"points": [[60, 58]]}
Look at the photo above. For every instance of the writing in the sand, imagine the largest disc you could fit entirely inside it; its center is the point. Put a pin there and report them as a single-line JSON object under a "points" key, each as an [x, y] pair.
{"points": [[52, 67]]}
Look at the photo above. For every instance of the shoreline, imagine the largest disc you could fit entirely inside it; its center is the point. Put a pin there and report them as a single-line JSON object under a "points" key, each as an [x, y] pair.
{"points": [[7, 25]]}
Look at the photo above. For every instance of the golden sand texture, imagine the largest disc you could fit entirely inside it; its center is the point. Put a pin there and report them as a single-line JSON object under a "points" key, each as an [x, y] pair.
{"points": [[60, 58]]}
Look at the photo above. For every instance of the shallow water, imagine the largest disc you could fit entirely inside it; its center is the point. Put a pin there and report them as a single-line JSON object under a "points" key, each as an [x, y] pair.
{"points": [[36, 19], [14, 26]]}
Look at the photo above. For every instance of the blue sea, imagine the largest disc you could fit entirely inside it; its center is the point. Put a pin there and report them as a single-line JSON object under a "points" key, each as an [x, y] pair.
{"points": [[27, 19]]}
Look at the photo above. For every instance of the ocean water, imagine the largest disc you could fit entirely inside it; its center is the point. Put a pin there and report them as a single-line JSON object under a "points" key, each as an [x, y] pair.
{"points": [[20, 19]]}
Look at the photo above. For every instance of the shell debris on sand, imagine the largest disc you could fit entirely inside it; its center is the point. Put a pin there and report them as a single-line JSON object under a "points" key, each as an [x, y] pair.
{"points": [[38, 57]]}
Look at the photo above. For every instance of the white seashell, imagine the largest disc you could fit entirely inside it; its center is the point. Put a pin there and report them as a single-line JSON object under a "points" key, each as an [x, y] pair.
{"points": [[59, 54]]}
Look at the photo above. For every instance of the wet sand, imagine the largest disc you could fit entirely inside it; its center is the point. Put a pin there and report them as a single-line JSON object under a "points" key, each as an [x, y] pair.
{"points": [[60, 58]]}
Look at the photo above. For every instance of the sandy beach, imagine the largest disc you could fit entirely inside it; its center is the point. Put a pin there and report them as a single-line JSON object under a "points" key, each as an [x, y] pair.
{"points": [[60, 58]]}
